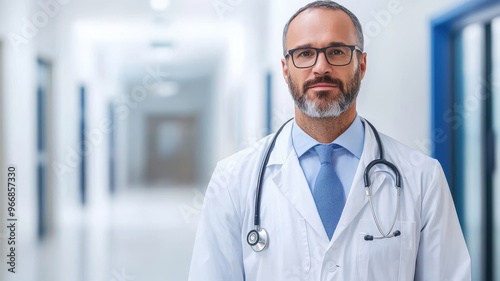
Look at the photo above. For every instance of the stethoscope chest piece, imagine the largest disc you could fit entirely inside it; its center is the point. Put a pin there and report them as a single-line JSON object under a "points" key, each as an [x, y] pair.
{"points": [[258, 239]]}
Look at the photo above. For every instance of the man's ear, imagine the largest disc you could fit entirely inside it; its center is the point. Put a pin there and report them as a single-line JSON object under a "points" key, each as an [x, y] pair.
{"points": [[284, 67], [362, 64]]}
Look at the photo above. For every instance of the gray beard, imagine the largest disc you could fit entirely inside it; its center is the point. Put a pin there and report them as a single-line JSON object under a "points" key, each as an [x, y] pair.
{"points": [[335, 107]]}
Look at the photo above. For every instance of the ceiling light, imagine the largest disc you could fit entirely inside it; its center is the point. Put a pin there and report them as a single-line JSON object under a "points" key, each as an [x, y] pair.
{"points": [[160, 5], [167, 89]]}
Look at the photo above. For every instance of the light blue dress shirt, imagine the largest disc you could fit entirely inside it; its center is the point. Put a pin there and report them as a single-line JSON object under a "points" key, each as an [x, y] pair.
{"points": [[348, 155]]}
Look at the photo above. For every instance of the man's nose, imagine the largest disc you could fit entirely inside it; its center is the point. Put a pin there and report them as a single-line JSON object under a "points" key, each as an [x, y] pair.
{"points": [[322, 66]]}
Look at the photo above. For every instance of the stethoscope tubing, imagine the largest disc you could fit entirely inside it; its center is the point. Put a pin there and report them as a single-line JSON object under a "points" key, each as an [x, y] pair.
{"points": [[262, 172], [258, 237], [380, 160]]}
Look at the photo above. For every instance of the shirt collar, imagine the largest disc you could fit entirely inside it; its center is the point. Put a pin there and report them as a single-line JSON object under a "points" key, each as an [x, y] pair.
{"points": [[352, 139]]}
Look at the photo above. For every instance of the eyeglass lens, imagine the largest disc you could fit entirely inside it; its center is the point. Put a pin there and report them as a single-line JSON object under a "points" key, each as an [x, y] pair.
{"points": [[337, 55]]}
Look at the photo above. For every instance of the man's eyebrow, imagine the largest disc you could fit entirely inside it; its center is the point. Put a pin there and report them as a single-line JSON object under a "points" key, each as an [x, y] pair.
{"points": [[331, 44]]}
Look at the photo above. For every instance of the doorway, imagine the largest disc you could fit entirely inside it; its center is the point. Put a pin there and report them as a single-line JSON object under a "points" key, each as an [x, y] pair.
{"points": [[172, 149], [465, 89]]}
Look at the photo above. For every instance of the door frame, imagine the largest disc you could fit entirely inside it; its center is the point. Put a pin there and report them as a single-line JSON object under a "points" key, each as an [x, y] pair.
{"points": [[446, 139]]}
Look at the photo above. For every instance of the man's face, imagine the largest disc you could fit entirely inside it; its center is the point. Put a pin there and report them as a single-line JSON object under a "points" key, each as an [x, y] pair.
{"points": [[323, 90]]}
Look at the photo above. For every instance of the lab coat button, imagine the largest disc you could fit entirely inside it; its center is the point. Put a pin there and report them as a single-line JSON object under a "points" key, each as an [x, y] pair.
{"points": [[332, 267]]}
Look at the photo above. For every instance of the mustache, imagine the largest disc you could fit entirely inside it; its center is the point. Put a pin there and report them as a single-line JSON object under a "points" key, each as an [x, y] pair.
{"points": [[323, 79]]}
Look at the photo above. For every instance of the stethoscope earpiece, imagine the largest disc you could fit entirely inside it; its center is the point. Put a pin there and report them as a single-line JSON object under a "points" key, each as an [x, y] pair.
{"points": [[369, 237]]}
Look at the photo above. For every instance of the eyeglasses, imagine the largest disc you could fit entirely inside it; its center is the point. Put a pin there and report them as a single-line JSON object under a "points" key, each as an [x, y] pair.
{"points": [[338, 55]]}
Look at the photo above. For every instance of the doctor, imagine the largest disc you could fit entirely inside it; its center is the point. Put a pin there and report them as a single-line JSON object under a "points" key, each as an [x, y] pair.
{"points": [[319, 221]]}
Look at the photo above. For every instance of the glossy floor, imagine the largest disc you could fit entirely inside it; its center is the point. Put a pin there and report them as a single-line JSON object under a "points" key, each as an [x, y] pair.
{"points": [[148, 236]]}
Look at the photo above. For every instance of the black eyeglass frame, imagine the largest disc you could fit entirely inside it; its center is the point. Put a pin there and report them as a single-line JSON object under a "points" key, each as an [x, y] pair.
{"points": [[323, 50]]}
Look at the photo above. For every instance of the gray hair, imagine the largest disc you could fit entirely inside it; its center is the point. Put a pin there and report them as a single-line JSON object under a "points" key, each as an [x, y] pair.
{"points": [[327, 5]]}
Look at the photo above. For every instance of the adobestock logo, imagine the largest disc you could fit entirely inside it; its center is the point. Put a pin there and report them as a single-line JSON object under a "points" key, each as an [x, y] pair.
{"points": [[39, 19], [221, 7]]}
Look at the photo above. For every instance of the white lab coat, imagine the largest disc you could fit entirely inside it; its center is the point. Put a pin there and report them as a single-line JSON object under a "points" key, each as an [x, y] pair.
{"points": [[431, 245]]}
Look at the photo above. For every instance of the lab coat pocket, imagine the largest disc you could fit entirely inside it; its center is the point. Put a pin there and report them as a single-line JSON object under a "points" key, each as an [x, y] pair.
{"points": [[388, 258]]}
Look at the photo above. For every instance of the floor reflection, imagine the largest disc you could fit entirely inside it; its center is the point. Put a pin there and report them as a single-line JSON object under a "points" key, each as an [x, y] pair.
{"points": [[146, 237]]}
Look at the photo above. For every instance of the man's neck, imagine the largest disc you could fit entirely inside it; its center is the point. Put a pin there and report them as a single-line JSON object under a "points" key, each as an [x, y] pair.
{"points": [[325, 130]]}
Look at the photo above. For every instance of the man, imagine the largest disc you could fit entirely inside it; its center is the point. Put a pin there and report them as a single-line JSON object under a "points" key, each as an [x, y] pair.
{"points": [[321, 224]]}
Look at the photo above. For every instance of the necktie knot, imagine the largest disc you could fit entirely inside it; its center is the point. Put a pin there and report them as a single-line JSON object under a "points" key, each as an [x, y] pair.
{"points": [[325, 153]]}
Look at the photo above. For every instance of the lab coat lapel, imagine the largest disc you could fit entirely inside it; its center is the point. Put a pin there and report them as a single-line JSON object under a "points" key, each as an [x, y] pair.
{"points": [[291, 182], [357, 198]]}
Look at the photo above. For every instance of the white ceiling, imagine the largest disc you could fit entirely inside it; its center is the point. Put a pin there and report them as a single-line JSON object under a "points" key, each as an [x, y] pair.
{"points": [[191, 33]]}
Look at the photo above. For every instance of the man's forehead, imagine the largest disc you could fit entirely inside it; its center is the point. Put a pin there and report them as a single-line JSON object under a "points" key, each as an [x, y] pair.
{"points": [[318, 25]]}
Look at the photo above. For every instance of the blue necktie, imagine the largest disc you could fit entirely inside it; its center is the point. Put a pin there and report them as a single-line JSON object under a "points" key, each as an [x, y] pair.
{"points": [[328, 191]]}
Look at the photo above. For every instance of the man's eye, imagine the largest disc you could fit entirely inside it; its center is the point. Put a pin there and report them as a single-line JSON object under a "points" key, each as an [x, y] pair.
{"points": [[336, 52], [304, 54]]}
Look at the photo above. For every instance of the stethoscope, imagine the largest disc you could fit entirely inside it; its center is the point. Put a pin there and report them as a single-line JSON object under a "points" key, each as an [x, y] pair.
{"points": [[258, 238]]}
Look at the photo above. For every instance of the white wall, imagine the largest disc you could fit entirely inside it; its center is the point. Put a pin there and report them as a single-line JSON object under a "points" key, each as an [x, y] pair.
{"points": [[67, 79], [50, 40], [18, 122], [239, 91]]}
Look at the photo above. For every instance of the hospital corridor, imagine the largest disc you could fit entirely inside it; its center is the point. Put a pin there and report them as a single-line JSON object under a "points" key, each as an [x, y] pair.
{"points": [[115, 113]]}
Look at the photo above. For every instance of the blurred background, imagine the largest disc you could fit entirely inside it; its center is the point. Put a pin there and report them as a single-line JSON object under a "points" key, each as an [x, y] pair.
{"points": [[115, 112]]}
